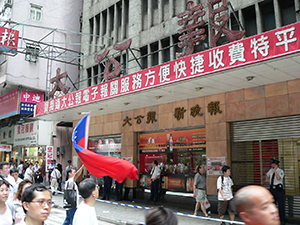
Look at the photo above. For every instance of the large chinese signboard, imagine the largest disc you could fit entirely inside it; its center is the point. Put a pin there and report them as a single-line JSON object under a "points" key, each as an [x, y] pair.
{"points": [[28, 100], [173, 141], [9, 104], [8, 39], [268, 45], [26, 134]]}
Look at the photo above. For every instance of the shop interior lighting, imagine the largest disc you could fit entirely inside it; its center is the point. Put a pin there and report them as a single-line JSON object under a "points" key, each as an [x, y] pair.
{"points": [[249, 78], [198, 88]]}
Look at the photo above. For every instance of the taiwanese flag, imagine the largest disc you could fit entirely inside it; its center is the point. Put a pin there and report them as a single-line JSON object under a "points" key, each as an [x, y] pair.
{"points": [[99, 165]]}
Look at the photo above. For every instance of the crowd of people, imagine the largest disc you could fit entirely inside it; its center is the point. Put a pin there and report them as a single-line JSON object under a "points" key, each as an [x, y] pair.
{"points": [[24, 198]]}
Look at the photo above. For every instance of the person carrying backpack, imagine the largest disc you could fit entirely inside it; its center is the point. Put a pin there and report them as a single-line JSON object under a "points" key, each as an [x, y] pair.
{"points": [[225, 196]]}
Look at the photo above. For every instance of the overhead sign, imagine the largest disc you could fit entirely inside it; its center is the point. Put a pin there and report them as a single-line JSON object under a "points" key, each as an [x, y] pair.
{"points": [[28, 100], [7, 135], [8, 39], [5, 148], [268, 45], [9, 104]]}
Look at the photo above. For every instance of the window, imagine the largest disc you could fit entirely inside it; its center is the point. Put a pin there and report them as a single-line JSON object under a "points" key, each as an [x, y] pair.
{"points": [[250, 21], [35, 13], [268, 16], [287, 11]]}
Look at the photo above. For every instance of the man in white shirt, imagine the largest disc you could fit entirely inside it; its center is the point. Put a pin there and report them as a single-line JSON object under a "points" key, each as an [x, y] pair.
{"points": [[225, 197], [275, 174], [85, 213], [55, 175], [37, 203], [36, 166], [70, 184], [155, 175], [15, 174], [29, 173], [5, 175]]}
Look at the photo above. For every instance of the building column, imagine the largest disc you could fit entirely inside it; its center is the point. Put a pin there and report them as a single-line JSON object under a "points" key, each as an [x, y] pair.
{"points": [[297, 10], [115, 40], [277, 14], [149, 57], [172, 49], [160, 53], [171, 8], [160, 11], [123, 30], [108, 31], [258, 19], [150, 14]]}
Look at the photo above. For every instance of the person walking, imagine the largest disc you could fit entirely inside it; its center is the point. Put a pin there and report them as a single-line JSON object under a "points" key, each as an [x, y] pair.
{"points": [[69, 185], [55, 175], [225, 196], [275, 175], [199, 188], [85, 213], [5, 211]]}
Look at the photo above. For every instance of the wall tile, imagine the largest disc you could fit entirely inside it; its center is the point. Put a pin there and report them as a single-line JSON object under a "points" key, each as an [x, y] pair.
{"points": [[165, 121], [293, 86], [107, 128], [276, 89], [116, 127], [255, 93], [128, 114], [294, 103], [116, 116], [255, 109], [182, 122], [234, 96], [165, 108], [235, 111], [107, 118], [152, 126], [216, 148], [139, 112], [277, 106], [219, 117], [217, 97], [217, 132]]}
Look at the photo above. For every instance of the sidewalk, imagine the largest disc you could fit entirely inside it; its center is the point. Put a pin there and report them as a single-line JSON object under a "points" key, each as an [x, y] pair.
{"points": [[126, 212]]}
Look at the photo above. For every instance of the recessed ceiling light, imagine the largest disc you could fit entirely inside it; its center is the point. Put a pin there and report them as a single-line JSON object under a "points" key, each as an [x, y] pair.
{"points": [[198, 88]]}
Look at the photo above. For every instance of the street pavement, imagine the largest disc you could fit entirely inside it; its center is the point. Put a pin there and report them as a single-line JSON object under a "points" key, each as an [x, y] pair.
{"points": [[125, 213]]}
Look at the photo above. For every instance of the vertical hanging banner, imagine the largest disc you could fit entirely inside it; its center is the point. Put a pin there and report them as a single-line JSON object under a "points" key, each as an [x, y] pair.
{"points": [[28, 100], [49, 156], [9, 104]]}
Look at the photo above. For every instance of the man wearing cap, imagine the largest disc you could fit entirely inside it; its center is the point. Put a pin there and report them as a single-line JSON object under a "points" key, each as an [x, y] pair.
{"points": [[275, 174]]}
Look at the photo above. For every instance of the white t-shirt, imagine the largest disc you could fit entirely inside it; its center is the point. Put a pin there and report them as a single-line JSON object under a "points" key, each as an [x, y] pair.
{"points": [[55, 174], [6, 217], [27, 172], [226, 188], [155, 172], [16, 185], [70, 184], [279, 172], [85, 214]]}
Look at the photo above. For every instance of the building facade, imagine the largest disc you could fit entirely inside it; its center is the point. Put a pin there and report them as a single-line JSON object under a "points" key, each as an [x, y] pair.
{"points": [[241, 113], [49, 38]]}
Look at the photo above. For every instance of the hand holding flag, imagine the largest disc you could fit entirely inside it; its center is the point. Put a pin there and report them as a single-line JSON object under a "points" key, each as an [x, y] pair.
{"points": [[99, 165]]}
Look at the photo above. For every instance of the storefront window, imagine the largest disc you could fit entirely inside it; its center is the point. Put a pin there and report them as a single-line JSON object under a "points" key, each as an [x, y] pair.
{"points": [[178, 153], [106, 145], [251, 160]]}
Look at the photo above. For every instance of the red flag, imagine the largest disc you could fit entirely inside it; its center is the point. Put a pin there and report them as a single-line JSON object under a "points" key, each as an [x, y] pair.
{"points": [[99, 165]]}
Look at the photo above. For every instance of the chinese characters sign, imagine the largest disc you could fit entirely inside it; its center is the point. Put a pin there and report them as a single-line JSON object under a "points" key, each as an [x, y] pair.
{"points": [[173, 141], [9, 104], [7, 135], [8, 39], [5, 148], [49, 156], [28, 100], [26, 134], [268, 45]]}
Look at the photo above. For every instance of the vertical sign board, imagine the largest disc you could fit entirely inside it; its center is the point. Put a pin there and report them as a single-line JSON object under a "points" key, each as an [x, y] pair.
{"points": [[49, 156], [9, 104]]}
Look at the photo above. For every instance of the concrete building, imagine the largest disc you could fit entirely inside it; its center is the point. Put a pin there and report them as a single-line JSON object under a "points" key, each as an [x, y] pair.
{"points": [[49, 38], [241, 112]]}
